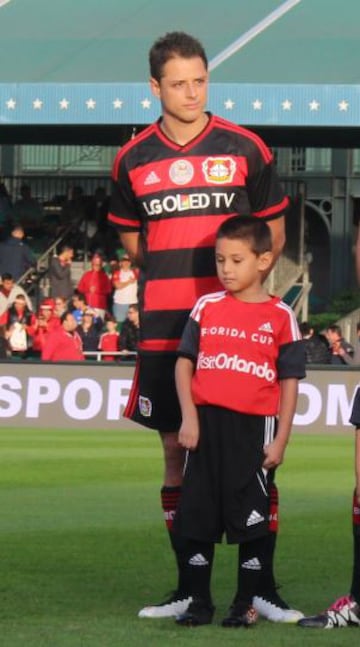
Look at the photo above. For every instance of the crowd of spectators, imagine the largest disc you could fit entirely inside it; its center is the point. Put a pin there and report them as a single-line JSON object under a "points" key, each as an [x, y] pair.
{"points": [[95, 317]]}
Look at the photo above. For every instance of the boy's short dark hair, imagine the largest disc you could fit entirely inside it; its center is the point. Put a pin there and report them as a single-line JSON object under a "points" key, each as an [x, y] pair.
{"points": [[255, 231], [172, 44]]}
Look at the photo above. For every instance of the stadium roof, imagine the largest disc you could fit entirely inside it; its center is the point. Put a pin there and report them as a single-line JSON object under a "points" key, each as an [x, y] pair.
{"points": [[273, 63]]}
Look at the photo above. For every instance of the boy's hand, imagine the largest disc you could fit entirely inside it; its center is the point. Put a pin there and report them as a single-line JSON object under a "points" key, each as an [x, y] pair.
{"points": [[189, 433], [274, 455]]}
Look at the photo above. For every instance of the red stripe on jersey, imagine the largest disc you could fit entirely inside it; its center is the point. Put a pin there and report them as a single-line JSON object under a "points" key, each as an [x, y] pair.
{"points": [[132, 142], [276, 209], [248, 134], [134, 224], [177, 294], [192, 172], [193, 142], [159, 344], [180, 233], [134, 394]]}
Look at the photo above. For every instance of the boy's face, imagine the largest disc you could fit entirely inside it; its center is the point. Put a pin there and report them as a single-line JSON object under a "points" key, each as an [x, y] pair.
{"points": [[111, 326], [238, 267]]}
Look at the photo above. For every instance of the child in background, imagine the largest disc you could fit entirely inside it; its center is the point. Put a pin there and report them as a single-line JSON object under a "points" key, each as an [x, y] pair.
{"points": [[109, 340]]}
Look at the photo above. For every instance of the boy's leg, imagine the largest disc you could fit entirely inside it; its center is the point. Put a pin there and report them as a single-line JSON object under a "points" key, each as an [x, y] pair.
{"points": [[252, 557], [267, 601], [355, 585], [199, 561], [345, 611]]}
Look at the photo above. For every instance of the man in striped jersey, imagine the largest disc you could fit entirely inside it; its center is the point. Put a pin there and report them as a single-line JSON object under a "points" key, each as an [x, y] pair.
{"points": [[173, 185]]}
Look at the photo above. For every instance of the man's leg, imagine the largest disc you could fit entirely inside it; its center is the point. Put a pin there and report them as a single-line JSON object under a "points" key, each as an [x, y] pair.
{"points": [[174, 456]]}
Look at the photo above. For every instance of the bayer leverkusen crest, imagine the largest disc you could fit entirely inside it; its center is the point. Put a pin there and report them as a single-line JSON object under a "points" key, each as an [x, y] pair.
{"points": [[219, 170]]}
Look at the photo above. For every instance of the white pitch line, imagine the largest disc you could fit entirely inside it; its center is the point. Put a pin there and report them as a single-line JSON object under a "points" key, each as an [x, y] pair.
{"points": [[252, 33], [3, 2]]}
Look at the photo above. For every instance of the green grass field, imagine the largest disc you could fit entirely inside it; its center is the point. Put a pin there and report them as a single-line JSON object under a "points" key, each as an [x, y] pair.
{"points": [[83, 547]]}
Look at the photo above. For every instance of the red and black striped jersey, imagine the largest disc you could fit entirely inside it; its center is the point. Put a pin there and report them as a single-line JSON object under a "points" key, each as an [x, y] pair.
{"points": [[241, 351], [177, 197]]}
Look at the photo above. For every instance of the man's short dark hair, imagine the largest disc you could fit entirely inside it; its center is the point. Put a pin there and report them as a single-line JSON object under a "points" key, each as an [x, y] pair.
{"points": [[172, 44], [255, 231], [65, 315], [7, 276]]}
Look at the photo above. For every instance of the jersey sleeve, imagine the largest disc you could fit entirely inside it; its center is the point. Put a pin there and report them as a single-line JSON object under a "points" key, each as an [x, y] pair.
{"points": [[291, 360], [266, 195], [123, 213], [189, 344]]}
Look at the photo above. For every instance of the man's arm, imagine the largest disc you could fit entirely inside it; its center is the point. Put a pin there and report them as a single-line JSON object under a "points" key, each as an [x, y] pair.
{"points": [[189, 430], [131, 242], [278, 236]]}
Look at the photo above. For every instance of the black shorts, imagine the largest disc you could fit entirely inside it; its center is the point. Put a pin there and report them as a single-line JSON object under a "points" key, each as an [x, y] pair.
{"points": [[225, 489], [355, 413], [153, 400]]}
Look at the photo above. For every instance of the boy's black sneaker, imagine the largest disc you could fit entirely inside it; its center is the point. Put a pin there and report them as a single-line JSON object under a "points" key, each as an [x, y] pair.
{"points": [[240, 616], [199, 612]]}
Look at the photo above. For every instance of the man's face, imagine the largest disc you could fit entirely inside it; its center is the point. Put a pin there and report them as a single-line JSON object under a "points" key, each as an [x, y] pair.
{"points": [[8, 284], [69, 323], [182, 88], [96, 264]]}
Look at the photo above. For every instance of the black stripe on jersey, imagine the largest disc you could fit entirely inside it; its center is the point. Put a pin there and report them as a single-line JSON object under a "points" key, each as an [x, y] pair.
{"points": [[180, 263], [163, 325]]}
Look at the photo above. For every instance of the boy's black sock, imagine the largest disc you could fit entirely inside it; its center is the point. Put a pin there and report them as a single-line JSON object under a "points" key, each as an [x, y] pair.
{"points": [[252, 562]]}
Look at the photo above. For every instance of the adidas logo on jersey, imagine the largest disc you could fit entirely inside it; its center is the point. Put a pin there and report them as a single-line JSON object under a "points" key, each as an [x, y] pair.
{"points": [[252, 564], [198, 560], [254, 518], [266, 327], [152, 178]]}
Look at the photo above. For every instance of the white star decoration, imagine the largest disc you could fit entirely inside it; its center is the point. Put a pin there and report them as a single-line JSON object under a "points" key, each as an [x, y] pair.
{"points": [[37, 104], [343, 105], [229, 104], [64, 104], [117, 103], [286, 105], [314, 105]]}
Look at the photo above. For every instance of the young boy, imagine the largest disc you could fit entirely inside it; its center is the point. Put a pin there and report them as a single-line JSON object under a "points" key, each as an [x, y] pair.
{"points": [[345, 612], [241, 357]]}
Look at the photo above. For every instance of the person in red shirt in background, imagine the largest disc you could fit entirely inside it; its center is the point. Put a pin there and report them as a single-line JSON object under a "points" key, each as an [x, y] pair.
{"points": [[46, 322], [109, 340], [20, 326], [95, 284], [63, 343]]}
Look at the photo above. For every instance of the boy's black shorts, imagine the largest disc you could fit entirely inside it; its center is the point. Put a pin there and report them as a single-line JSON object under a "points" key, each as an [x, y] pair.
{"points": [[153, 400], [225, 488]]}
